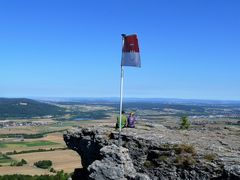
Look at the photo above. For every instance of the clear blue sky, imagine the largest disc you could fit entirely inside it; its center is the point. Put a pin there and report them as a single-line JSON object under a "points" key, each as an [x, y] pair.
{"points": [[56, 48]]}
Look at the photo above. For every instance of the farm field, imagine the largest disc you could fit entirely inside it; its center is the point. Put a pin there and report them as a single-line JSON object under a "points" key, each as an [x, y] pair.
{"points": [[26, 170], [37, 139], [15, 145], [14, 149], [49, 141], [5, 160], [20, 130], [66, 160]]}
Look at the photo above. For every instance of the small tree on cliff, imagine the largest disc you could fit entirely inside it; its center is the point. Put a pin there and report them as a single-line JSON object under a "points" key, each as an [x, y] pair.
{"points": [[185, 124]]}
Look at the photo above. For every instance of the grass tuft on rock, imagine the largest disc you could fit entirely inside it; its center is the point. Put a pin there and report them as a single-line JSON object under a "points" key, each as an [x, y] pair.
{"points": [[184, 148], [210, 157], [184, 160], [149, 164], [163, 158]]}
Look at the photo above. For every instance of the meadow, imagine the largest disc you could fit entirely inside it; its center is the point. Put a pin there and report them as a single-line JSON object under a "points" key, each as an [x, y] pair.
{"points": [[5, 160], [14, 147]]}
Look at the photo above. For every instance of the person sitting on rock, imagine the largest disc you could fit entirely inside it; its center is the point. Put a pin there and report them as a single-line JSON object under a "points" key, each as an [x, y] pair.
{"points": [[123, 122], [131, 120]]}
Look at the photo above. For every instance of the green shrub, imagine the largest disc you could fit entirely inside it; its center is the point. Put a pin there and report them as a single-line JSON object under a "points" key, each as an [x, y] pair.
{"points": [[185, 160], [61, 175], [44, 164], [185, 124], [23, 161], [148, 164], [162, 158], [210, 157], [52, 170], [13, 163], [20, 163], [184, 148]]}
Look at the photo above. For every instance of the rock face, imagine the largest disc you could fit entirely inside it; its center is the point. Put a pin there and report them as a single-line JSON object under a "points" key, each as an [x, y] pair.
{"points": [[115, 164], [148, 152]]}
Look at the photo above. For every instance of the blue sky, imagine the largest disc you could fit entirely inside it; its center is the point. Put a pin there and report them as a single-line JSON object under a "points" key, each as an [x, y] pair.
{"points": [[55, 48]]}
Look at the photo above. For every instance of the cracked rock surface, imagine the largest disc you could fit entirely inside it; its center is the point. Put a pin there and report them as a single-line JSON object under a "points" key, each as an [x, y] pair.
{"points": [[152, 151]]}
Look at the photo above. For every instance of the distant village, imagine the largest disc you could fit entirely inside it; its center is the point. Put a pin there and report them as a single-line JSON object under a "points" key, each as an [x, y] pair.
{"points": [[8, 124]]}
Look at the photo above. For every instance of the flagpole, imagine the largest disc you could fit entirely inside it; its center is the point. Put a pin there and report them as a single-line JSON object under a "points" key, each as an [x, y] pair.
{"points": [[121, 98], [130, 57]]}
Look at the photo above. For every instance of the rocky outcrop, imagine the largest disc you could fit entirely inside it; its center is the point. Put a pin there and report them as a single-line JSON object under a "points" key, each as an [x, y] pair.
{"points": [[115, 164], [150, 151]]}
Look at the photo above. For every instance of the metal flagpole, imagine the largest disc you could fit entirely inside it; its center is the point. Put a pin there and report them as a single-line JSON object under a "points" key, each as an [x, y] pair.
{"points": [[121, 102], [121, 98]]}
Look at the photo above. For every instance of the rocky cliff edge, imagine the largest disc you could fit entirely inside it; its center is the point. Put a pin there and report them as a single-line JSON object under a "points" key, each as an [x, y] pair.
{"points": [[152, 151]]}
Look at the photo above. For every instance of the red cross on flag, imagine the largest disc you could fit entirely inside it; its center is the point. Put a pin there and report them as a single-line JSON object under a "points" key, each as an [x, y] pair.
{"points": [[130, 51]]}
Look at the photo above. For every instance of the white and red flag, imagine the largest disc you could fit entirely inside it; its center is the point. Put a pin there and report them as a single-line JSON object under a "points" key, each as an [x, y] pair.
{"points": [[130, 51]]}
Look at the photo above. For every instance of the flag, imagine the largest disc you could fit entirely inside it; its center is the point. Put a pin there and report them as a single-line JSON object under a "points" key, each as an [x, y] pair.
{"points": [[130, 51]]}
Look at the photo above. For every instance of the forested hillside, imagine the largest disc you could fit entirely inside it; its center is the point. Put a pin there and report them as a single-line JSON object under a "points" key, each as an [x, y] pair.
{"points": [[26, 108]]}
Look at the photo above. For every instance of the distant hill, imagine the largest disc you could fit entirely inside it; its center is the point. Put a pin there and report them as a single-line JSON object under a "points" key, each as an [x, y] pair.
{"points": [[111, 100], [26, 108]]}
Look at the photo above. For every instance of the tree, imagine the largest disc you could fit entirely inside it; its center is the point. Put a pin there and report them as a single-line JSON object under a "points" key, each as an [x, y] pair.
{"points": [[23, 161], [44, 164], [185, 124]]}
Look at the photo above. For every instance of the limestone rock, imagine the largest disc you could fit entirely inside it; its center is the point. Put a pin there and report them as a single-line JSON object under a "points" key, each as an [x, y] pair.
{"points": [[115, 164], [149, 152]]}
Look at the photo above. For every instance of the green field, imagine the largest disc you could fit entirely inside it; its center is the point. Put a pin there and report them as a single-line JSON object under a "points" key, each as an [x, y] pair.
{"points": [[26, 144], [5, 160]]}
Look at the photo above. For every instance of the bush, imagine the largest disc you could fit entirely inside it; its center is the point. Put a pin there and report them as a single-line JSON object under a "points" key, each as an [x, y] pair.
{"points": [[162, 158], [52, 170], [210, 157], [23, 161], [61, 175], [185, 155], [185, 160], [20, 163], [149, 164], [185, 124], [184, 148], [44, 164]]}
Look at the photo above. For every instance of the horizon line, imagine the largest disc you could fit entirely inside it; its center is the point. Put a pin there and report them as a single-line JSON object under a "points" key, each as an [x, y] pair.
{"points": [[115, 97]]}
